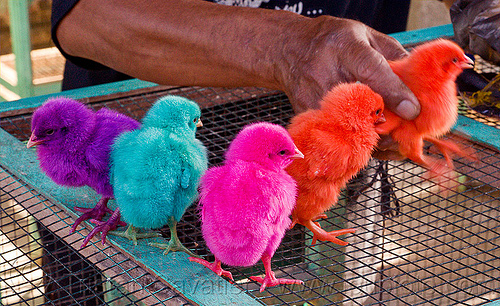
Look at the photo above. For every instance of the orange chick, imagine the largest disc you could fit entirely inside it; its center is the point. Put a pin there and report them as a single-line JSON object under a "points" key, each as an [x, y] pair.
{"points": [[430, 71], [337, 141]]}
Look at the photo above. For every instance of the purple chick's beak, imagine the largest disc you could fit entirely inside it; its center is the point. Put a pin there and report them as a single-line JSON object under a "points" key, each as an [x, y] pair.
{"points": [[297, 154], [199, 123], [33, 141], [468, 63]]}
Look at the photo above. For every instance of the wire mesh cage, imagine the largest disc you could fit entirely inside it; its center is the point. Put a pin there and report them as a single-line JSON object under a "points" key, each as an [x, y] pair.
{"points": [[415, 244]]}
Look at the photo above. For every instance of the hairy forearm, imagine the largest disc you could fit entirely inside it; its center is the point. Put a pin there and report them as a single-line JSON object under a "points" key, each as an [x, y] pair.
{"points": [[183, 42]]}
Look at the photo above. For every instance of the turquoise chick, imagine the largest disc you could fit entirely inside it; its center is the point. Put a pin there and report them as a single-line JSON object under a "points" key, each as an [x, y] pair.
{"points": [[155, 170]]}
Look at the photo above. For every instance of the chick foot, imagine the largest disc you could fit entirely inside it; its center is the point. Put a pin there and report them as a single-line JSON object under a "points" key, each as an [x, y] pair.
{"points": [[174, 244], [215, 267], [322, 235], [97, 213], [270, 279], [132, 234], [296, 220], [448, 148], [104, 227]]}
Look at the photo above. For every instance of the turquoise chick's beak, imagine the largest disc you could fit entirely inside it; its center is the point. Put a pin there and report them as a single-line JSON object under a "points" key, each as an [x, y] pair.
{"points": [[199, 123]]}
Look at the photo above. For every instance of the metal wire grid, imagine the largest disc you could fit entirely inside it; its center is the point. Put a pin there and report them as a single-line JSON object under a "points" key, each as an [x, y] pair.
{"points": [[40, 264], [440, 249]]}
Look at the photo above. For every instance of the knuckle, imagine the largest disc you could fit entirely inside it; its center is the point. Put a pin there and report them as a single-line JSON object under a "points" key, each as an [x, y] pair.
{"points": [[367, 64]]}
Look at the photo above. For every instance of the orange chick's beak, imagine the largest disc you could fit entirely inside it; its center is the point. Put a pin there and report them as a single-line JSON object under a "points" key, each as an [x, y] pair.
{"points": [[199, 123], [468, 63], [33, 141], [380, 119], [297, 154]]}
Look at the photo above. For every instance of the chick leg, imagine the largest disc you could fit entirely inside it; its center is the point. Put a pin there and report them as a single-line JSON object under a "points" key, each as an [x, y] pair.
{"points": [[321, 234], [98, 212], [215, 267], [174, 244], [270, 279], [449, 147], [131, 232]]}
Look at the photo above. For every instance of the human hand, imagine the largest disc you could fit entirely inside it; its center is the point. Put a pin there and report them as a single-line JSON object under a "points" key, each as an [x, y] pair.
{"points": [[334, 50]]}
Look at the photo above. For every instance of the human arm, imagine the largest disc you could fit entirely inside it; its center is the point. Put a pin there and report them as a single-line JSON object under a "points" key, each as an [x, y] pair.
{"points": [[190, 42]]}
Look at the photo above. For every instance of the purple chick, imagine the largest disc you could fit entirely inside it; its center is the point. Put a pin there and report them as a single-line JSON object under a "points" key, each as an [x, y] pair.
{"points": [[73, 146], [246, 203]]}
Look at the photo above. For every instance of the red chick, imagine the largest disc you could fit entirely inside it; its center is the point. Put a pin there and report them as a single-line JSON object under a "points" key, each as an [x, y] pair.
{"points": [[430, 72], [337, 141]]}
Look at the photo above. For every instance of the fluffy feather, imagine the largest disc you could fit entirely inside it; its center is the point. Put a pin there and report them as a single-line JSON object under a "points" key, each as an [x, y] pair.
{"points": [[246, 203], [73, 145], [430, 72], [156, 169], [337, 141]]}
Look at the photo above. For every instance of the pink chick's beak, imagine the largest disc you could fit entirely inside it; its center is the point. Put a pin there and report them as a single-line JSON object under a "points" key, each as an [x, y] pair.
{"points": [[33, 141], [199, 123], [468, 63], [381, 119], [297, 154]]}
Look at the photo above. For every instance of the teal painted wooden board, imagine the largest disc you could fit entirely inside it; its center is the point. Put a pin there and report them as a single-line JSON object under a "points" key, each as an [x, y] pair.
{"points": [[478, 132], [417, 36], [194, 281]]}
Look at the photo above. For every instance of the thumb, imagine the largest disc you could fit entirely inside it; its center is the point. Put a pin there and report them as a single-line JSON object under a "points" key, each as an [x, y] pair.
{"points": [[369, 66]]}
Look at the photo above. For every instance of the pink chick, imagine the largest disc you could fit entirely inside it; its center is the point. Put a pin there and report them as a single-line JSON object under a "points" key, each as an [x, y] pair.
{"points": [[246, 203]]}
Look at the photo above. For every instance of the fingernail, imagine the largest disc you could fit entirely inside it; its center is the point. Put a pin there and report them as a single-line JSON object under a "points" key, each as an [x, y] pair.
{"points": [[407, 110]]}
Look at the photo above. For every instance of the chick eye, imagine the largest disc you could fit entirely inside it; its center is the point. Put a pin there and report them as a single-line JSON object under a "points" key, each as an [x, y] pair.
{"points": [[195, 120], [282, 152], [49, 132], [378, 112], [455, 60]]}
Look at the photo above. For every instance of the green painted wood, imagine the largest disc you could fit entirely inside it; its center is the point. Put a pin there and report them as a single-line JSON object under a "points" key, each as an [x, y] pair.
{"points": [[21, 46], [421, 35], [477, 132], [192, 280], [8, 85], [86, 92], [46, 88]]}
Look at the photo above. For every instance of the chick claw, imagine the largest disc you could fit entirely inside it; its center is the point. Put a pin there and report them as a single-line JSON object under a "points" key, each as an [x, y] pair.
{"points": [[270, 280], [97, 213], [215, 267], [104, 227], [174, 246], [321, 234]]}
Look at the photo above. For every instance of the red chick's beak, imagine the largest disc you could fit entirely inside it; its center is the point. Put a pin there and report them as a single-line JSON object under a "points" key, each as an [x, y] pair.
{"points": [[380, 119], [33, 141], [468, 63], [297, 154]]}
